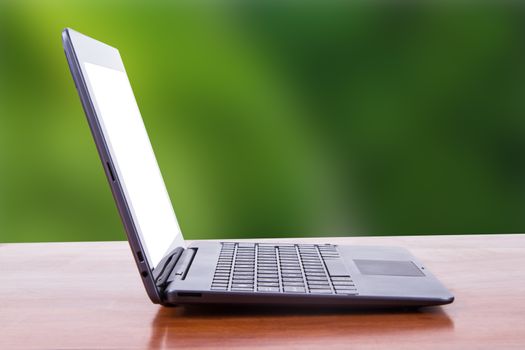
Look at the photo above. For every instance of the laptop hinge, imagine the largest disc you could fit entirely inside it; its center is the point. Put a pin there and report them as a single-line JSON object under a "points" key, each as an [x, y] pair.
{"points": [[165, 267], [177, 267]]}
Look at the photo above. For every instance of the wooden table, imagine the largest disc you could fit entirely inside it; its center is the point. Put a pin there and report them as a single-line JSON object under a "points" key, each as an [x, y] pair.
{"points": [[89, 295]]}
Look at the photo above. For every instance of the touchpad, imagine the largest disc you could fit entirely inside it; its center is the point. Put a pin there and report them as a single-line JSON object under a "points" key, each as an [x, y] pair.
{"points": [[388, 268]]}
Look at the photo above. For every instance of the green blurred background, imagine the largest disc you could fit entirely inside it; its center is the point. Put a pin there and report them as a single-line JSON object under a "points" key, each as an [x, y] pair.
{"points": [[274, 119]]}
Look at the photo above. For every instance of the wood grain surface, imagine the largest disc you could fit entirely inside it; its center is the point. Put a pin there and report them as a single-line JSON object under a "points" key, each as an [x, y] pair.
{"points": [[89, 295]]}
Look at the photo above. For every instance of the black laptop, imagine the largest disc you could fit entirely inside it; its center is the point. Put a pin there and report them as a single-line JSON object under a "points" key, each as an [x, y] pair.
{"points": [[219, 271]]}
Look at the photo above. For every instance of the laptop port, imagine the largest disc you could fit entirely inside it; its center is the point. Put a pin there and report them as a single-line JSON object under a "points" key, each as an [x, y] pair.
{"points": [[189, 294], [110, 171]]}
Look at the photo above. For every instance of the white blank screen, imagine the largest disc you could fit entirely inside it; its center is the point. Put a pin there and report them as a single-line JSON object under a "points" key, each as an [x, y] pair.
{"points": [[134, 160]]}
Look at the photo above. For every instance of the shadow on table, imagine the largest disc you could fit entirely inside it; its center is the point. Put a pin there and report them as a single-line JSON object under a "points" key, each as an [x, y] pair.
{"points": [[226, 326]]}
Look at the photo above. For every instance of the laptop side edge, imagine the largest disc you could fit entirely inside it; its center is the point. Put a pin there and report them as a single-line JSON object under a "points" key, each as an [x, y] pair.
{"points": [[139, 252]]}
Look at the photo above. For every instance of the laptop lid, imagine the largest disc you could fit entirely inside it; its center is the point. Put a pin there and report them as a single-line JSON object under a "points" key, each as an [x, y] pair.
{"points": [[124, 148]]}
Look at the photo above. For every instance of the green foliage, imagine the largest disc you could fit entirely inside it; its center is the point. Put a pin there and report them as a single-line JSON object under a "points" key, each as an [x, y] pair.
{"points": [[274, 118]]}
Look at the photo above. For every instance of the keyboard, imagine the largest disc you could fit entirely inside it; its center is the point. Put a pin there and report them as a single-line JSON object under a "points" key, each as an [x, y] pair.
{"points": [[281, 268]]}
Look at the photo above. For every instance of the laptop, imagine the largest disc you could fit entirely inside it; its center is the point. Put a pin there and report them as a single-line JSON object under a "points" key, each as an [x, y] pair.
{"points": [[218, 272]]}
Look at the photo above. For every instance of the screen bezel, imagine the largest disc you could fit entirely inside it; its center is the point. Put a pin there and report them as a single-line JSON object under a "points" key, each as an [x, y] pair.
{"points": [[80, 49]]}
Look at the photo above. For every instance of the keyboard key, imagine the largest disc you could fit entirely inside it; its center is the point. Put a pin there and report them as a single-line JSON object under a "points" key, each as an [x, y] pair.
{"points": [[325, 281], [294, 290], [290, 279], [276, 279], [321, 291], [291, 272], [221, 280], [268, 275], [220, 285], [268, 284], [343, 278], [268, 280], [318, 269], [319, 286], [243, 278], [318, 277], [268, 289], [293, 284], [315, 274], [223, 287], [242, 289]]}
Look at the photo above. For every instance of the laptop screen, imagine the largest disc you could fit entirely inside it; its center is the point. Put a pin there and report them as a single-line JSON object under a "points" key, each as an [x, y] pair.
{"points": [[134, 161]]}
